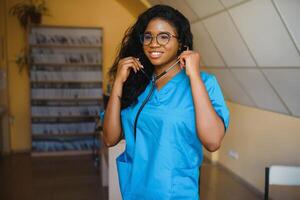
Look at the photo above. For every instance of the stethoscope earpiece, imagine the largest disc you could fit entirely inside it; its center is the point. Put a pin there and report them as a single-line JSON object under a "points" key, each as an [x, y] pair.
{"points": [[186, 47]]}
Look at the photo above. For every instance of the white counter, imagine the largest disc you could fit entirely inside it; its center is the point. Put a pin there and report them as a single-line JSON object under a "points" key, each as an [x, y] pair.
{"points": [[109, 170]]}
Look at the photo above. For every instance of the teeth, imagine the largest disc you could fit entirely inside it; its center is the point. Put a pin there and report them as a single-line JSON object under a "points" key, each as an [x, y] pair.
{"points": [[155, 54]]}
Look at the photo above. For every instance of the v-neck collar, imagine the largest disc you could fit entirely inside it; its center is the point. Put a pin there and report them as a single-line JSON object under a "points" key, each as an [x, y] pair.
{"points": [[176, 78]]}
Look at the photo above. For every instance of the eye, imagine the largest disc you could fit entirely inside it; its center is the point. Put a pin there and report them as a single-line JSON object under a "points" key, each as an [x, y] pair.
{"points": [[164, 36], [147, 37]]}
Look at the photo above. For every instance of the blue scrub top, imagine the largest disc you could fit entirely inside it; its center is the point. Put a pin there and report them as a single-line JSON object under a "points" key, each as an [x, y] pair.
{"points": [[163, 163]]}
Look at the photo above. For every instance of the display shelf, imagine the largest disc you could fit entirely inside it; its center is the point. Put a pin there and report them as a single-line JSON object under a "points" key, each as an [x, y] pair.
{"points": [[66, 88], [64, 46], [66, 81], [61, 135], [68, 64], [59, 117], [62, 153], [65, 99]]}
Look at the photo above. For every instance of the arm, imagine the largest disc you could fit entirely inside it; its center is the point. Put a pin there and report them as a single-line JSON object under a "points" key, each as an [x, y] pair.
{"points": [[210, 127], [112, 128]]}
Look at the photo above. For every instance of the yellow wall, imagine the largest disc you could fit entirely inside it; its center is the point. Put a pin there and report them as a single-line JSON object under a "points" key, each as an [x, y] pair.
{"points": [[261, 138], [2, 49], [110, 15], [135, 7], [4, 121]]}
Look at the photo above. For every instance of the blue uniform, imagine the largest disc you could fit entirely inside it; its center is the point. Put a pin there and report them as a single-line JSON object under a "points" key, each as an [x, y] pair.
{"points": [[163, 163]]}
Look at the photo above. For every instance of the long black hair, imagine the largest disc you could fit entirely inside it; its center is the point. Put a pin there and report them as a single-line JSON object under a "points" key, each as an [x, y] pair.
{"points": [[131, 46]]}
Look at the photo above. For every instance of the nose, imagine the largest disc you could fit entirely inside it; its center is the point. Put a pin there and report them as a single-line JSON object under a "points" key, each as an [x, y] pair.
{"points": [[154, 43]]}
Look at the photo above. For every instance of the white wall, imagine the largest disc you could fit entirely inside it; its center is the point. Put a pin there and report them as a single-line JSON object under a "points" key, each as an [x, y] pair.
{"points": [[252, 46]]}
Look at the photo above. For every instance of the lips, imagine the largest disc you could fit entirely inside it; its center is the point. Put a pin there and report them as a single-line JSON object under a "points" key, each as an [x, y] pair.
{"points": [[155, 54]]}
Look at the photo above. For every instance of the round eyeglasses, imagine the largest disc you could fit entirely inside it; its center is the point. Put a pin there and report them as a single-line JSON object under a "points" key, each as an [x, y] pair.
{"points": [[161, 38]]}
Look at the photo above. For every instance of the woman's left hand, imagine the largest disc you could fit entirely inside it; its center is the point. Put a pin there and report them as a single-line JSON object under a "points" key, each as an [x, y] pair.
{"points": [[191, 61]]}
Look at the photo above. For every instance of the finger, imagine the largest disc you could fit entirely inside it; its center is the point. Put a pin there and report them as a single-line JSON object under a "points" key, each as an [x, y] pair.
{"points": [[134, 67], [135, 61], [126, 58], [132, 62], [181, 59], [186, 52], [182, 54], [130, 66], [138, 64]]}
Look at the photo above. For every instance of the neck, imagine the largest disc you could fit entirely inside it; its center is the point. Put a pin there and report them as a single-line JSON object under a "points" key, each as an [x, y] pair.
{"points": [[167, 76], [160, 69]]}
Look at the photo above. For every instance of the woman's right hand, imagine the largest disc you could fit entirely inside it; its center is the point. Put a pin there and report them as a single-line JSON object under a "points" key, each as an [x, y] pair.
{"points": [[124, 67]]}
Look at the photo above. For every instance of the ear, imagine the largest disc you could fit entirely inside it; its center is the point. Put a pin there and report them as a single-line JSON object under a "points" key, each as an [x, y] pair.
{"points": [[186, 48], [180, 49]]}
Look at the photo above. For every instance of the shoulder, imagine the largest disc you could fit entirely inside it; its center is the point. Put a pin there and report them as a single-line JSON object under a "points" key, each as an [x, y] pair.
{"points": [[208, 78]]}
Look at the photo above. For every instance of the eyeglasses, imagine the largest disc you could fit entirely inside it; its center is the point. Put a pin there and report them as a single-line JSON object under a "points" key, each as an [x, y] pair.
{"points": [[162, 38]]}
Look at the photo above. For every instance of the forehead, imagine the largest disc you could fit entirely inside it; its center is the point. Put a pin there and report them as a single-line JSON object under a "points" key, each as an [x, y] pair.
{"points": [[158, 25]]}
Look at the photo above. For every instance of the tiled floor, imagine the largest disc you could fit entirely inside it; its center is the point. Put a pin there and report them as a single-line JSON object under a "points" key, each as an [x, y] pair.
{"points": [[75, 178], [60, 178], [218, 184]]}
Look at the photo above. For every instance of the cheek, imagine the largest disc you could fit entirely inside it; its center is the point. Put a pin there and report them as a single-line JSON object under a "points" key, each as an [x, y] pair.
{"points": [[172, 49]]}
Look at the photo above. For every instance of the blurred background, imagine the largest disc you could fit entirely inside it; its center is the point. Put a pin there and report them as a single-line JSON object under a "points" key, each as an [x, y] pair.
{"points": [[53, 84]]}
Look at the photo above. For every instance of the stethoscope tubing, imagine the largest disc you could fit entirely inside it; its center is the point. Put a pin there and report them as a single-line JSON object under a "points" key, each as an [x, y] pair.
{"points": [[153, 80]]}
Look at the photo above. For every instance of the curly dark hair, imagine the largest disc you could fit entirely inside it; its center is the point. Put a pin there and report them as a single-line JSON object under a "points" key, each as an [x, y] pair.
{"points": [[131, 46]]}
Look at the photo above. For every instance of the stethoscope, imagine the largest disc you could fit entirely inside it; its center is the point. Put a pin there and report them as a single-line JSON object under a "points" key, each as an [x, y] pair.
{"points": [[153, 80]]}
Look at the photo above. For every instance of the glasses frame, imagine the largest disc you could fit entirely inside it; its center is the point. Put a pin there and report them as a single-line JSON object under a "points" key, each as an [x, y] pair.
{"points": [[152, 37]]}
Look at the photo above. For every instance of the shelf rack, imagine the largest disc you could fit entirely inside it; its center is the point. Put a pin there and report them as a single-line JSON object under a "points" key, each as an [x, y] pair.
{"points": [[76, 52]]}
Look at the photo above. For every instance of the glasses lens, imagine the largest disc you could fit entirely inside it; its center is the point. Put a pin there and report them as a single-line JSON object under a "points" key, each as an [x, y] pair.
{"points": [[146, 39], [163, 38]]}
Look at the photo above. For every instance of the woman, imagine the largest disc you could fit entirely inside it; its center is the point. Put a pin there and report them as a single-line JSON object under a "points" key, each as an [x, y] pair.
{"points": [[164, 108]]}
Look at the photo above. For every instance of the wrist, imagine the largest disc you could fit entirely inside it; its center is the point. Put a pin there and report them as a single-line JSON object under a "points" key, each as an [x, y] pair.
{"points": [[117, 88], [194, 76], [118, 83]]}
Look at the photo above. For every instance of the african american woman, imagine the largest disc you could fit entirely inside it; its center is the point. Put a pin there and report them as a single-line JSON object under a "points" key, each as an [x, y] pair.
{"points": [[164, 107]]}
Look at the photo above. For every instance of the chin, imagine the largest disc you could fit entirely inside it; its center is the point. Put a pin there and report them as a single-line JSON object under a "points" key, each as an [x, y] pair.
{"points": [[159, 61], [156, 62]]}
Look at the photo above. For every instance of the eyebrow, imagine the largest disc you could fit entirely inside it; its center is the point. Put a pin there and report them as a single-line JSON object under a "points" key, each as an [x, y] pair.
{"points": [[166, 32]]}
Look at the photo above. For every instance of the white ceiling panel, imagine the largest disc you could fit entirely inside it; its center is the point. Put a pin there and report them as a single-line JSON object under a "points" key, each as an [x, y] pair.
{"points": [[228, 40], [265, 34], [183, 7], [205, 46], [231, 88], [259, 89], [204, 8], [225, 94], [289, 10], [229, 3], [287, 84]]}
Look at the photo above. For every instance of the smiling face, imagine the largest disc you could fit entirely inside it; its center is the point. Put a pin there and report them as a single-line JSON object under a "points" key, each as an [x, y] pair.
{"points": [[161, 56]]}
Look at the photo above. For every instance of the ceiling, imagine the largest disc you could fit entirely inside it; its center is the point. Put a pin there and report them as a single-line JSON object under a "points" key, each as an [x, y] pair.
{"points": [[252, 46]]}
